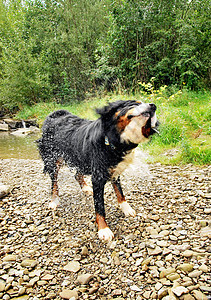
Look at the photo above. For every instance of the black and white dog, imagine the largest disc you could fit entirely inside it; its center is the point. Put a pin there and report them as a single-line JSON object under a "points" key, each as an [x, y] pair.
{"points": [[102, 148]]}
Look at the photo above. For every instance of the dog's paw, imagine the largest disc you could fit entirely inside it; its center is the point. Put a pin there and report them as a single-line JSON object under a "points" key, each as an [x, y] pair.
{"points": [[127, 209], [86, 189], [105, 234], [53, 204]]}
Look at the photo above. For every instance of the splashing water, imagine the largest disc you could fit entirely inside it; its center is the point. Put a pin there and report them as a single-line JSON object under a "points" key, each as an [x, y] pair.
{"points": [[139, 168]]}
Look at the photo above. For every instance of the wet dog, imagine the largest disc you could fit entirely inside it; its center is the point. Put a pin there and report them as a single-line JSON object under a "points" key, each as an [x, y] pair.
{"points": [[102, 148]]}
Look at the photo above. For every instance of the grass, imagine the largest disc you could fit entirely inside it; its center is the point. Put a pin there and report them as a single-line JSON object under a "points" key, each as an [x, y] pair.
{"points": [[185, 116]]}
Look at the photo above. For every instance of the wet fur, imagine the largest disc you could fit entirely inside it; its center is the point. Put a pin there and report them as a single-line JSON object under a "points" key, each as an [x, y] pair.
{"points": [[81, 144]]}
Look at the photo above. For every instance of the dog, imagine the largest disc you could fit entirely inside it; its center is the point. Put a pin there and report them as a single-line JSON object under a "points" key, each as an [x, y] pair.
{"points": [[102, 148]]}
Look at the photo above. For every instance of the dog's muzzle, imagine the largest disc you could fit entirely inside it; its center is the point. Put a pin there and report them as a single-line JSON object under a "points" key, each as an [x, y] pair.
{"points": [[152, 123]]}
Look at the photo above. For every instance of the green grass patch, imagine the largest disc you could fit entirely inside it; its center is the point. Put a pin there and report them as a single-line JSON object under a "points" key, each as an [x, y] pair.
{"points": [[185, 116]]}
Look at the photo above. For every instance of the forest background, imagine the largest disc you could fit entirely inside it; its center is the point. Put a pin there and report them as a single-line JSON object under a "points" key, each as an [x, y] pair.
{"points": [[79, 54], [66, 50]]}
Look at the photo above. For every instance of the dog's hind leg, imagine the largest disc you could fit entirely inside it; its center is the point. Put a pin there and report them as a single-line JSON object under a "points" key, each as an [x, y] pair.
{"points": [[124, 205], [85, 188], [54, 184]]}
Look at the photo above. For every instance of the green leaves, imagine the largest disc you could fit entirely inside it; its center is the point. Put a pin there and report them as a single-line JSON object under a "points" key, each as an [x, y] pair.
{"points": [[65, 50]]}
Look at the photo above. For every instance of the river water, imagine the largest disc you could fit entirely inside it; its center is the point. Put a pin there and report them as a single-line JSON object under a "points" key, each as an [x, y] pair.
{"points": [[12, 146]]}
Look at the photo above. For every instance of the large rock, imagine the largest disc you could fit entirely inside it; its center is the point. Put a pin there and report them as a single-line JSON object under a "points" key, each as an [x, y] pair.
{"points": [[15, 124], [12, 124], [4, 127], [25, 131]]}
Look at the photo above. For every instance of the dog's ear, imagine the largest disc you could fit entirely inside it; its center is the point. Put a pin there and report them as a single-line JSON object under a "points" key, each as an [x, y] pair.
{"points": [[109, 110]]}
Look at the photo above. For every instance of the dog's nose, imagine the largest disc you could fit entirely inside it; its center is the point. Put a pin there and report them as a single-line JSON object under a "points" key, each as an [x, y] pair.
{"points": [[152, 106]]}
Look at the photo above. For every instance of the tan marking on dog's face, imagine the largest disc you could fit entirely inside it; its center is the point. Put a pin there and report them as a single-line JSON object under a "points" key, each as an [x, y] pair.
{"points": [[133, 131], [123, 121], [131, 126]]}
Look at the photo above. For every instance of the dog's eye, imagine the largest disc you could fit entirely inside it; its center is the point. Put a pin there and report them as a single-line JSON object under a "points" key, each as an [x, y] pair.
{"points": [[130, 117]]}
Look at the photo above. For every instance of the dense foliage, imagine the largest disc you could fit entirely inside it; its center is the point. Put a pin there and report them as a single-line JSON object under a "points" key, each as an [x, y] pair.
{"points": [[63, 50]]}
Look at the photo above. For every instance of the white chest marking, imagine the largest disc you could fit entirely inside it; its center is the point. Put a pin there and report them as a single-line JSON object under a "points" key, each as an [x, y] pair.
{"points": [[127, 160]]}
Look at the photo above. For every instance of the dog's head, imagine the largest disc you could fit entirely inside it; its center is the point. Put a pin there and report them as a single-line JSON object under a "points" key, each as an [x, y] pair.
{"points": [[134, 121]]}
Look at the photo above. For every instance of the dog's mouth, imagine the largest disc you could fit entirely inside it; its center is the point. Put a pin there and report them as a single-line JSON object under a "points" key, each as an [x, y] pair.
{"points": [[151, 125]]}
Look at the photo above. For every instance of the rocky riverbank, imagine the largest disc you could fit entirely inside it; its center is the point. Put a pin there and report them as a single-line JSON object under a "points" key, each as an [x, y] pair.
{"points": [[162, 253]]}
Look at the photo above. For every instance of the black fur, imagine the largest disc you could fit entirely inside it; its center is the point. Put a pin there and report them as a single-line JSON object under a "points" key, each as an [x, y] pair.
{"points": [[81, 144]]}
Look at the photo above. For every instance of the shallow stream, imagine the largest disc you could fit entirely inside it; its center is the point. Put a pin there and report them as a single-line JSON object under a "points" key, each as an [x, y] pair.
{"points": [[12, 146]]}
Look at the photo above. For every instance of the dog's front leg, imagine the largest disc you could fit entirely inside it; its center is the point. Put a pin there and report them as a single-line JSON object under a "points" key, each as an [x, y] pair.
{"points": [[104, 231], [124, 205]]}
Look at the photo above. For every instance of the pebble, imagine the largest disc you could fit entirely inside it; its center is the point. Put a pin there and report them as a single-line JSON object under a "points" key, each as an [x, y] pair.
{"points": [[164, 233], [162, 292], [146, 261], [48, 277], [195, 274], [158, 286], [205, 288], [154, 217], [73, 266], [199, 295], [24, 297], [162, 243], [2, 286], [151, 256], [155, 251], [30, 263], [188, 297], [203, 268], [206, 232], [203, 223], [84, 278], [179, 290], [173, 276], [9, 258], [185, 267], [4, 190], [207, 210], [135, 288], [68, 294], [51, 295], [187, 253], [166, 272], [84, 251]]}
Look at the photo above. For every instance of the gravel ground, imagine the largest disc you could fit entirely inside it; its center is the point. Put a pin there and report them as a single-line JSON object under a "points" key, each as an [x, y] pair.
{"points": [[162, 253]]}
